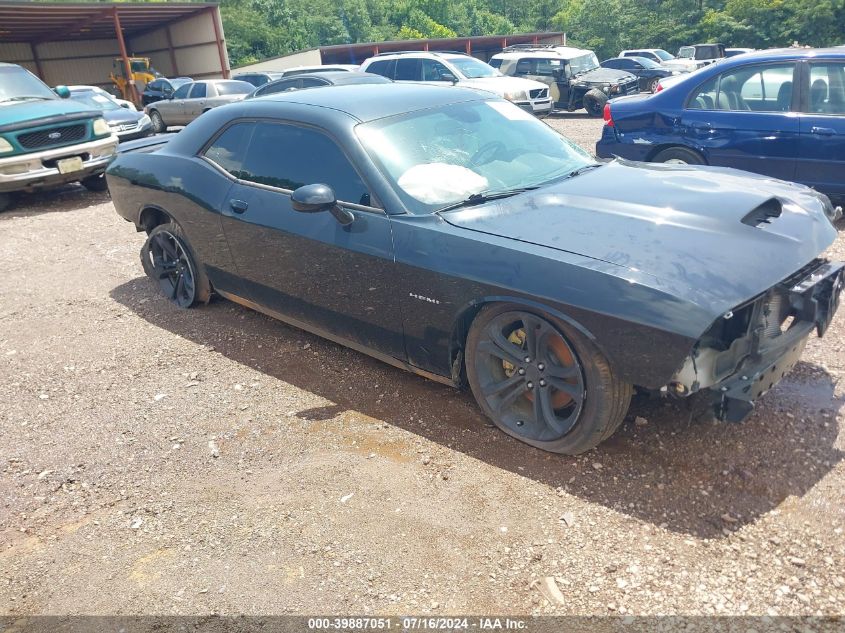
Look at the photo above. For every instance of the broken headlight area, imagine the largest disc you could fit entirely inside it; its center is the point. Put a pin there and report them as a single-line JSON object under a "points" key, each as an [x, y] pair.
{"points": [[751, 348]]}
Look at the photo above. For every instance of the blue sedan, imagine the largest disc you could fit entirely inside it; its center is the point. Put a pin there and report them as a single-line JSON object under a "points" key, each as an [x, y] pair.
{"points": [[779, 113]]}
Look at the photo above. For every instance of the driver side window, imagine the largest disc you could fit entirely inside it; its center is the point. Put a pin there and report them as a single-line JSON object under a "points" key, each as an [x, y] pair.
{"points": [[288, 157], [182, 91]]}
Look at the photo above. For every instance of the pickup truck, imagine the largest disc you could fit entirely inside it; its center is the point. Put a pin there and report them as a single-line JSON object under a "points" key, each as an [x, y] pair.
{"points": [[695, 56], [47, 139]]}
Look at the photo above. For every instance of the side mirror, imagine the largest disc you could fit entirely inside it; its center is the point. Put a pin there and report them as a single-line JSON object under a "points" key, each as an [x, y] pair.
{"points": [[62, 91], [318, 198], [124, 105], [168, 93], [448, 77]]}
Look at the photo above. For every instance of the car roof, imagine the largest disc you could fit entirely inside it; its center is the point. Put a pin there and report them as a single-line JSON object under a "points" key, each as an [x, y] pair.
{"points": [[338, 77], [785, 53], [427, 54], [316, 67], [367, 102], [566, 52]]}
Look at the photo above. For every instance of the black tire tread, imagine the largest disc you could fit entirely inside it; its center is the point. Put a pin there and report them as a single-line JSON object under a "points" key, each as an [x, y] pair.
{"points": [[201, 282], [610, 408]]}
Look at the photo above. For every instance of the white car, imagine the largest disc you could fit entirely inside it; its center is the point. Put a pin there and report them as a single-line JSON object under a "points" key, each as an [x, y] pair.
{"points": [[461, 70], [301, 70], [123, 103], [654, 54]]}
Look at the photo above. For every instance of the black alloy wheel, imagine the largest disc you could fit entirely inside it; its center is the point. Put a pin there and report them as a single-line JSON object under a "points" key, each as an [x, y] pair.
{"points": [[542, 381], [529, 376], [167, 260]]}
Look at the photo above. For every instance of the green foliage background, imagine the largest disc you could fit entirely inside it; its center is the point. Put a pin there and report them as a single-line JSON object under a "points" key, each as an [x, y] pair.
{"points": [[256, 29]]}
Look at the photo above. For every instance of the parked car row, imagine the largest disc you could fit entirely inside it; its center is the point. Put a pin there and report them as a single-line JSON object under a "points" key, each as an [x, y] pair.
{"points": [[780, 113]]}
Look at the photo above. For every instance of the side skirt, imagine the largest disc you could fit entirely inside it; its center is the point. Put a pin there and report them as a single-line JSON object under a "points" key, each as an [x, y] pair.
{"points": [[385, 358]]}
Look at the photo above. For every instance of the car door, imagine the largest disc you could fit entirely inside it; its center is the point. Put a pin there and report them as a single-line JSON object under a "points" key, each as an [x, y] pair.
{"points": [[196, 101], [308, 267], [281, 85], [821, 153], [172, 110], [745, 118]]}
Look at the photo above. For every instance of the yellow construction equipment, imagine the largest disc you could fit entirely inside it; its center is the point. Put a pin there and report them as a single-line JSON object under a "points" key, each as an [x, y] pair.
{"points": [[142, 74]]}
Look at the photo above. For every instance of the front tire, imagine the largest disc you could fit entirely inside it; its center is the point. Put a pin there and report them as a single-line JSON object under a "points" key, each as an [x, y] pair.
{"points": [[594, 102], [158, 123], [95, 183], [168, 260], [542, 382], [652, 85], [679, 156]]}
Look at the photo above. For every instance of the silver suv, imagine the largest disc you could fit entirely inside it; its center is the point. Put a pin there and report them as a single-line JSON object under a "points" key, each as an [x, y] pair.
{"points": [[462, 70]]}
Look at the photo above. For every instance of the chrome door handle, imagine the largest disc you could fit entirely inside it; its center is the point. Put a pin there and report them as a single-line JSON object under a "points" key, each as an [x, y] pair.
{"points": [[823, 131]]}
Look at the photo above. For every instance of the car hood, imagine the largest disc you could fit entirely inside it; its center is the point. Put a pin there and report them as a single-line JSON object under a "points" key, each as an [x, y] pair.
{"points": [[501, 85], [603, 76], [688, 227], [40, 112], [122, 115], [680, 64]]}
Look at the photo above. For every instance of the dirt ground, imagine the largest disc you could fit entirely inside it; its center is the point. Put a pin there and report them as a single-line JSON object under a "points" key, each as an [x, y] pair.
{"points": [[161, 461]]}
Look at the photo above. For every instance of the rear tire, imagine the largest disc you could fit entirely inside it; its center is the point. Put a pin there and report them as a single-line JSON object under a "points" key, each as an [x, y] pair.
{"points": [[95, 183], [594, 102], [158, 123], [169, 260], [5, 201], [566, 399], [679, 156]]}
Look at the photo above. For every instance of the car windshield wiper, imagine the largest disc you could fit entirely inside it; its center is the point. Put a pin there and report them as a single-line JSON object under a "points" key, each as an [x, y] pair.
{"points": [[25, 97], [485, 196], [584, 169]]}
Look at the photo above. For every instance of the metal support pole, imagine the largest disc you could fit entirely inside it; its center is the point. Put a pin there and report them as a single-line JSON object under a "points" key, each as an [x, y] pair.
{"points": [[132, 93], [224, 67]]}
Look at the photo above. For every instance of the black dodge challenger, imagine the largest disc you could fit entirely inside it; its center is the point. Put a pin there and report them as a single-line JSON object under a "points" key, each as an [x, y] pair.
{"points": [[447, 232]]}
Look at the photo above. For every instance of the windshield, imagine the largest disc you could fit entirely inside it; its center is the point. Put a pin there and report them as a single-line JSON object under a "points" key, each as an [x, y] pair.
{"points": [[234, 88], [584, 63], [17, 84], [472, 68], [647, 63], [664, 55], [179, 81], [686, 52], [439, 156], [98, 101]]}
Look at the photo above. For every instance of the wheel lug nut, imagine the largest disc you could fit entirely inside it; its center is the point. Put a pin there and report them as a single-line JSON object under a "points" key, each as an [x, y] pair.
{"points": [[541, 366], [529, 384], [519, 422], [542, 382], [527, 359], [521, 371]]}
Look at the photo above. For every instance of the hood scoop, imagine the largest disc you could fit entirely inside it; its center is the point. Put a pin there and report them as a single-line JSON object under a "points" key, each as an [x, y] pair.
{"points": [[763, 213]]}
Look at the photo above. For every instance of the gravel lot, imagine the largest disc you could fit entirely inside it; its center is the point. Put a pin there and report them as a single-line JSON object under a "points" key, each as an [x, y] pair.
{"points": [[214, 460]]}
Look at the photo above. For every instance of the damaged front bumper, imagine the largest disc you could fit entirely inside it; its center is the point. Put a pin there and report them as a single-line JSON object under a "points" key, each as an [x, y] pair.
{"points": [[778, 326]]}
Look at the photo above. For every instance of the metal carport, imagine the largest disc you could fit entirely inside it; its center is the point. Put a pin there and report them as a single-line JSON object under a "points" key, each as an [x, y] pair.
{"points": [[75, 43]]}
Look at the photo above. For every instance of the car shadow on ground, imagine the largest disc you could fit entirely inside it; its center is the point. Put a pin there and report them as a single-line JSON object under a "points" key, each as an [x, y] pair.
{"points": [[663, 466], [65, 198]]}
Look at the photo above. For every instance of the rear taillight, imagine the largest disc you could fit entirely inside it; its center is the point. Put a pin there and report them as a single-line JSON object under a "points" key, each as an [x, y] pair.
{"points": [[608, 117]]}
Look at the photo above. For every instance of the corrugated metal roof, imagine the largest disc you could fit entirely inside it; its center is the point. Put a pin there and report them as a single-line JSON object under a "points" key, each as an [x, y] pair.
{"points": [[50, 22]]}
